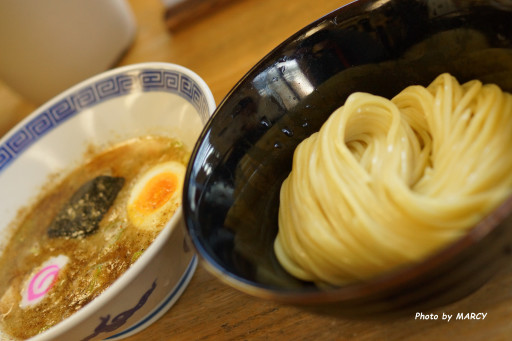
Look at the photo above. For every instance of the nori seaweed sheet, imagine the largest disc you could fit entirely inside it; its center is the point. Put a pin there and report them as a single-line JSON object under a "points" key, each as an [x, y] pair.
{"points": [[81, 215]]}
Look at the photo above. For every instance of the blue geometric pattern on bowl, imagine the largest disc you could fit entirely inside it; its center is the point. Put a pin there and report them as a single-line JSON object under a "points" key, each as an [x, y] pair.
{"points": [[100, 91]]}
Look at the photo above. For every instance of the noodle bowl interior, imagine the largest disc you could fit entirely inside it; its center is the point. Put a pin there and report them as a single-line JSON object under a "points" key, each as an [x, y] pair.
{"points": [[386, 183], [86, 231]]}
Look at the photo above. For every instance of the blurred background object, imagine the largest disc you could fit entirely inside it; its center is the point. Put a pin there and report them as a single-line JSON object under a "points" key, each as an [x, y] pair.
{"points": [[47, 46], [180, 13]]}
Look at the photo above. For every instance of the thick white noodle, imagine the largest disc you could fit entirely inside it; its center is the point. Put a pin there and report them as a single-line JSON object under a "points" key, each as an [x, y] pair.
{"points": [[385, 183]]}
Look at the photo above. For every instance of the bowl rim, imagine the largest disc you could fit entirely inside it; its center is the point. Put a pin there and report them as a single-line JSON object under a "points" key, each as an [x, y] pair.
{"points": [[137, 67]]}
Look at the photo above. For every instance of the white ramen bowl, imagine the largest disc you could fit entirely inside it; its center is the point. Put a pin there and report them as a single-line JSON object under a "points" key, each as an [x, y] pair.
{"points": [[123, 103]]}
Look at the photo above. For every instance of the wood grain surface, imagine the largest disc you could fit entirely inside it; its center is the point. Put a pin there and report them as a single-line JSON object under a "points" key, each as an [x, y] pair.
{"points": [[221, 47]]}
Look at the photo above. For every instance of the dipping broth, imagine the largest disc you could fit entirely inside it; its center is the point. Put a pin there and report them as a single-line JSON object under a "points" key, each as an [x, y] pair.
{"points": [[65, 251]]}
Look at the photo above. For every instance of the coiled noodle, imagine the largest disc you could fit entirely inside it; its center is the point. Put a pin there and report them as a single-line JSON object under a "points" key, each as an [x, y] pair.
{"points": [[385, 183]]}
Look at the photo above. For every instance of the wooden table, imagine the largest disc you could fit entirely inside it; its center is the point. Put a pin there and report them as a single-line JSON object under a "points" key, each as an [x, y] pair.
{"points": [[221, 47]]}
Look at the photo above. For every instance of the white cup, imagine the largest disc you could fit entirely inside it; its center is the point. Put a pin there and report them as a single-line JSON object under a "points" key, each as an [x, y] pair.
{"points": [[47, 46]]}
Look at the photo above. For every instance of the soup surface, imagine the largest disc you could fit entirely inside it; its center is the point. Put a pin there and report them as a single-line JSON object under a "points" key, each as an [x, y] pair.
{"points": [[84, 232]]}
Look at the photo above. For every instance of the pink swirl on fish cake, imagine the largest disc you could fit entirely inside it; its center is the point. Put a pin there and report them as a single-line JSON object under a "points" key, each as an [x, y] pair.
{"points": [[43, 280]]}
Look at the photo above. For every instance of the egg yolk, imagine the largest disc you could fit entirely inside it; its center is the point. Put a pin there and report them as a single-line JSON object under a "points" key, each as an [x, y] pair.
{"points": [[156, 192]]}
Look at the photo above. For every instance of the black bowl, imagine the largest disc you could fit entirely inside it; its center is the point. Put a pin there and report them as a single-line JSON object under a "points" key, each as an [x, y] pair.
{"points": [[231, 194]]}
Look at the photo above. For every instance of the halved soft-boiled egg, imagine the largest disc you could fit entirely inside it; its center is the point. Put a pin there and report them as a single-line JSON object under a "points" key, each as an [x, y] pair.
{"points": [[156, 195]]}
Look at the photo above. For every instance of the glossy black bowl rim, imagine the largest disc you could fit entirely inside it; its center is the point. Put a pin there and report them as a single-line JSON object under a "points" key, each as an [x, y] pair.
{"points": [[389, 280]]}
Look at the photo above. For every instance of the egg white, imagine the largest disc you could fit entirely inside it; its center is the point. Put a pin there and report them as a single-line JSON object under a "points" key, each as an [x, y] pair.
{"points": [[158, 217]]}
